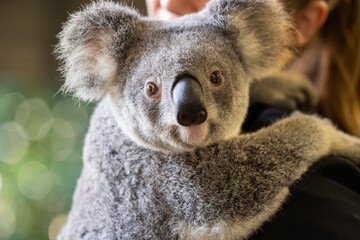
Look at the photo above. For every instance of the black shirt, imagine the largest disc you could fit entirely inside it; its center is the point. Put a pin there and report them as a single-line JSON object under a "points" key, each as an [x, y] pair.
{"points": [[323, 204]]}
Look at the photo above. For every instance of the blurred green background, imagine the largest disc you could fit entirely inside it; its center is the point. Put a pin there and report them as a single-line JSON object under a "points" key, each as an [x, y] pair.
{"points": [[41, 131]]}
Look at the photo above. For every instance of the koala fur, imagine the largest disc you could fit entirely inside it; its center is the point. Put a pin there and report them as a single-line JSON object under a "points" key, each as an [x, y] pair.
{"points": [[147, 177]]}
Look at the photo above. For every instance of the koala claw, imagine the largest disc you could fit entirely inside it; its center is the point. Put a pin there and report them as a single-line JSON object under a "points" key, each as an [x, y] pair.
{"points": [[344, 144], [295, 113], [352, 150]]}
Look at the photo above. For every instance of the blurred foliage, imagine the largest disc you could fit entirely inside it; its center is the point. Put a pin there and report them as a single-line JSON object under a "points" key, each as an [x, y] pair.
{"points": [[41, 138]]}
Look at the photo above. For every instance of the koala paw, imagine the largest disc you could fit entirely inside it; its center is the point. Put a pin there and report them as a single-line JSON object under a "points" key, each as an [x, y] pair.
{"points": [[346, 145], [285, 90]]}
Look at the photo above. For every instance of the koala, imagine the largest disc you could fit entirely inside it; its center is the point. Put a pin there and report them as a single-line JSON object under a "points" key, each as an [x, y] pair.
{"points": [[164, 157]]}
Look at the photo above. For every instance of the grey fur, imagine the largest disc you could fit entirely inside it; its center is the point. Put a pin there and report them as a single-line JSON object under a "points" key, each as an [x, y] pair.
{"points": [[141, 179]]}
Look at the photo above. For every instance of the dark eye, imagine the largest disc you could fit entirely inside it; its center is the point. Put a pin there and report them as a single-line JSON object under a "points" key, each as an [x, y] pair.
{"points": [[151, 89], [216, 78]]}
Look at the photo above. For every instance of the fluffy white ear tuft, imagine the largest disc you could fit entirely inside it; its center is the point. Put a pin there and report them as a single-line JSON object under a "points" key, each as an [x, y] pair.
{"points": [[264, 37], [89, 70], [93, 44]]}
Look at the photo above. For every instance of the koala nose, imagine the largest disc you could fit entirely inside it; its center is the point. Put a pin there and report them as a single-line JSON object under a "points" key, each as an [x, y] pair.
{"points": [[188, 99]]}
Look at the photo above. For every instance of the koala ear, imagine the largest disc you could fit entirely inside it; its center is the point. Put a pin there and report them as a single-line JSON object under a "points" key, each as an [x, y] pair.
{"points": [[263, 35], [92, 46]]}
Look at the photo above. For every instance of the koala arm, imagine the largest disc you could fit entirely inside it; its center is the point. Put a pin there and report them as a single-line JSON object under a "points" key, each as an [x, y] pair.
{"points": [[245, 180], [285, 90]]}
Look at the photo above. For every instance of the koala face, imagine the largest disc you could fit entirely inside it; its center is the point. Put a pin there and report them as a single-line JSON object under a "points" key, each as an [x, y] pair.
{"points": [[178, 85], [186, 89]]}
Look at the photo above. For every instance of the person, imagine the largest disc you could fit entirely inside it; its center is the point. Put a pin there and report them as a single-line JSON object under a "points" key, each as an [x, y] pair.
{"points": [[325, 203]]}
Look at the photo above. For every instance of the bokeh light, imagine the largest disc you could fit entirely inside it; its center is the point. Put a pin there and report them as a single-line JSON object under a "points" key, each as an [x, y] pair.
{"points": [[62, 139], [23, 113], [73, 113], [13, 143], [39, 114], [25, 218], [34, 180], [8, 105], [0, 183], [55, 202], [7, 193], [44, 129], [56, 225], [7, 220], [63, 128], [41, 142]]}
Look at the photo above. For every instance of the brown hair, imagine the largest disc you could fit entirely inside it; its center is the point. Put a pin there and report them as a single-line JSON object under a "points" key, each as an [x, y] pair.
{"points": [[340, 99]]}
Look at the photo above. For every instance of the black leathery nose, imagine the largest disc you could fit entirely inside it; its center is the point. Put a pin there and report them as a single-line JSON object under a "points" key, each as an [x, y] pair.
{"points": [[188, 99], [201, 117]]}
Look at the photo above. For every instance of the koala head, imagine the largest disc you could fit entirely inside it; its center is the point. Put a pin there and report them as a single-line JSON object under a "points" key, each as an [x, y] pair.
{"points": [[176, 85]]}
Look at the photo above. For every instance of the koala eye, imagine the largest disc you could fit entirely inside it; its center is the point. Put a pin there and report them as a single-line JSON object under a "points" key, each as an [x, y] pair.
{"points": [[151, 89], [216, 78]]}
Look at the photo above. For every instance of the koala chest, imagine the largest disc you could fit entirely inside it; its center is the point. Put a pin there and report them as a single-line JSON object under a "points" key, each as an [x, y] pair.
{"points": [[166, 200]]}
